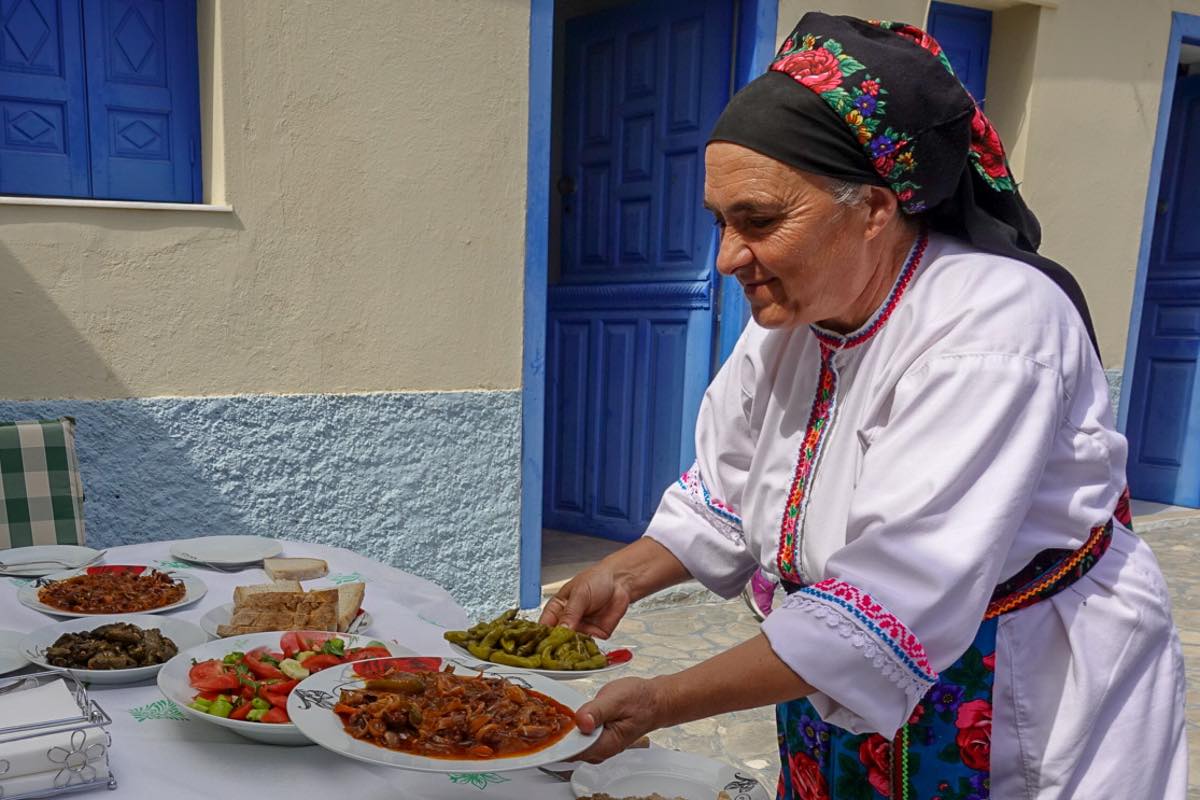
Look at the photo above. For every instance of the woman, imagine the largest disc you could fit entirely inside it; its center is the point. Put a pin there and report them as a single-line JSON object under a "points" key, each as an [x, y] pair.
{"points": [[914, 437]]}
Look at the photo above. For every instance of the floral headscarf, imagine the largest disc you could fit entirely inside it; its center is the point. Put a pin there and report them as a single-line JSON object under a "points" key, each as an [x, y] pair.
{"points": [[878, 102]]}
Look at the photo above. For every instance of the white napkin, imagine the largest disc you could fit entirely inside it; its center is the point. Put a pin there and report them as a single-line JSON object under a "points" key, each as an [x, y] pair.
{"points": [[49, 752], [54, 779]]}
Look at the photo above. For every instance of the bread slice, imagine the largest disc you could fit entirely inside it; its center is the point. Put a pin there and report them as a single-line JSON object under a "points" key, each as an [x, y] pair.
{"points": [[284, 611], [296, 569], [242, 592], [350, 597]]}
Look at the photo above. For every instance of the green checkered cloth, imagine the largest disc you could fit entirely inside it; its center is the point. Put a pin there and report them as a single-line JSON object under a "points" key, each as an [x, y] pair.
{"points": [[41, 495]]}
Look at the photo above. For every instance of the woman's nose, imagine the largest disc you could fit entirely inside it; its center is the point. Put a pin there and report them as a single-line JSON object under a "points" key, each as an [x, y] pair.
{"points": [[732, 253]]}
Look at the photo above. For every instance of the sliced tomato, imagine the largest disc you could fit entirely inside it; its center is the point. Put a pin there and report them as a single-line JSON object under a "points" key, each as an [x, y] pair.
{"points": [[277, 687], [320, 661], [360, 653], [275, 715], [241, 710], [290, 643], [213, 676], [277, 700], [382, 666], [261, 669]]}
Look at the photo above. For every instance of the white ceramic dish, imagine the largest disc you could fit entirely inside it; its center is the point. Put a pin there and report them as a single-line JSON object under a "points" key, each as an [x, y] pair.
{"points": [[173, 683], [222, 614], [557, 674], [310, 707], [71, 557], [226, 551], [11, 659], [194, 589], [668, 772], [185, 635]]}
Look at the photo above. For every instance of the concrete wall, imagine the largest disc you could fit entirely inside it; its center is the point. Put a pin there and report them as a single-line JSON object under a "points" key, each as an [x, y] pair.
{"points": [[1074, 90], [371, 270]]}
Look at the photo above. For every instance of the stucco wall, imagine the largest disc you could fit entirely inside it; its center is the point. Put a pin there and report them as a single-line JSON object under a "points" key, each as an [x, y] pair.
{"points": [[374, 155], [426, 481], [1078, 109]]}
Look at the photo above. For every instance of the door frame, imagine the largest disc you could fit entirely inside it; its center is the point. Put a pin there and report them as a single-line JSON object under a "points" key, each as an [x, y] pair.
{"points": [[1184, 28], [756, 24]]}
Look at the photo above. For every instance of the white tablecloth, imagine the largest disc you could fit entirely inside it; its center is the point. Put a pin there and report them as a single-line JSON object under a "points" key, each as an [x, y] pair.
{"points": [[159, 752]]}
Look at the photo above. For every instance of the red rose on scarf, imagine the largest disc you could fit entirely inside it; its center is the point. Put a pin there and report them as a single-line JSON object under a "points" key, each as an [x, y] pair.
{"points": [[918, 712], [788, 45], [989, 661], [875, 753], [884, 165], [807, 781], [905, 195], [817, 69], [974, 738], [986, 142], [918, 37]]}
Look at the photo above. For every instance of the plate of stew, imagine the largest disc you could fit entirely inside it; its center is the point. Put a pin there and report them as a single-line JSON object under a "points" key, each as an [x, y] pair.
{"points": [[110, 589], [432, 714]]}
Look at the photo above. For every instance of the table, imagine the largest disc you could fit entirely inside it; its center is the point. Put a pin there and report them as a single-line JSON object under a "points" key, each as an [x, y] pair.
{"points": [[158, 752]]}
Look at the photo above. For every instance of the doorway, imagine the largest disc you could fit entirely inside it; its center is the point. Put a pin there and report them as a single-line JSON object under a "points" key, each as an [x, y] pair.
{"points": [[1160, 404], [634, 318]]}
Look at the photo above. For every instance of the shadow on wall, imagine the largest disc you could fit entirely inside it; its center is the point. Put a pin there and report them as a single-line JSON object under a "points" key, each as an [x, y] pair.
{"points": [[135, 464]]}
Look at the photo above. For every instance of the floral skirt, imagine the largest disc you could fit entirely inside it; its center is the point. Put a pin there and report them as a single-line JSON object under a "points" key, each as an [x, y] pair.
{"points": [[943, 751]]}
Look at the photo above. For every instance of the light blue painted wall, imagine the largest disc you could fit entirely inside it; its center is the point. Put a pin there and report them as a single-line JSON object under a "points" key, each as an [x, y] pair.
{"points": [[427, 482]]}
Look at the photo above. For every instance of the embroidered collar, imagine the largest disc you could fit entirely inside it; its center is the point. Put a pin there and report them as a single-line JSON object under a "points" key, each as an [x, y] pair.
{"points": [[840, 341]]}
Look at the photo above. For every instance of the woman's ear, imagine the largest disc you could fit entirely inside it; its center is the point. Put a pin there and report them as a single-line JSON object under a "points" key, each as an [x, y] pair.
{"points": [[882, 207]]}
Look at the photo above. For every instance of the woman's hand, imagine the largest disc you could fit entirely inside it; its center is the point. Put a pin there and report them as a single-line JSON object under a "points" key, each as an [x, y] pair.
{"points": [[628, 709], [592, 602]]}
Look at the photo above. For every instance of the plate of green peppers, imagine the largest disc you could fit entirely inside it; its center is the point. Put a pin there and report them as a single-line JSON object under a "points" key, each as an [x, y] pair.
{"points": [[556, 652]]}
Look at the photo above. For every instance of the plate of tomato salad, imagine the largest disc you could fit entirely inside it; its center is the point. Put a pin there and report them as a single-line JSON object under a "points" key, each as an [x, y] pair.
{"points": [[243, 683]]}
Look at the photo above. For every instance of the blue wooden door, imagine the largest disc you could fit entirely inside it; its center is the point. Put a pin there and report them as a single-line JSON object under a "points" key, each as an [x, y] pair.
{"points": [[965, 34], [1164, 413], [630, 322], [43, 107]]}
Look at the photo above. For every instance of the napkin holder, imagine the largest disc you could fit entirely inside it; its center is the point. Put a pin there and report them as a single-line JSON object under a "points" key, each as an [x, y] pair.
{"points": [[76, 770]]}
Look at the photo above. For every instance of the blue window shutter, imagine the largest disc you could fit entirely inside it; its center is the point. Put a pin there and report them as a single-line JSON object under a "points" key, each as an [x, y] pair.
{"points": [[965, 34], [43, 110], [143, 99]]}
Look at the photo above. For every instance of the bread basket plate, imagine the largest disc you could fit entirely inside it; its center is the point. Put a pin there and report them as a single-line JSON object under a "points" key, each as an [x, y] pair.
{"points": [[222, 614]]}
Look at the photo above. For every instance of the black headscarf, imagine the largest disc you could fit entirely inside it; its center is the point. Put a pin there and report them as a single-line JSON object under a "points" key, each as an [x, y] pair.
{"points": [[878, 102]]}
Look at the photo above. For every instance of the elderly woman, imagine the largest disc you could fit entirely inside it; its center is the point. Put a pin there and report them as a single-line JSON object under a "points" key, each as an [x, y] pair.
{"points": [[914, 437]]}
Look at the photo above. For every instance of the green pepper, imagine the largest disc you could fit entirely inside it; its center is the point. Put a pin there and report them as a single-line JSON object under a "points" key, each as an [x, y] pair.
{"points": [[479, 651], [456, 637], [260, 703], [200, 705], [528, 662], [257, 714], [334, 647], [234, 658]]}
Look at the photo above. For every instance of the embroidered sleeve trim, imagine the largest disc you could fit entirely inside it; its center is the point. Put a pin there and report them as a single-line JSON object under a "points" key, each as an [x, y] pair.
{"points": [[719, 514], [882, 638]]}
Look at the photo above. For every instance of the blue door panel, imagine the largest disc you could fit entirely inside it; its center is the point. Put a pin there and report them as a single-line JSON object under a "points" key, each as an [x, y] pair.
{"points": [[143, 99], [965, 35], [1164, 419], [644, 84], [43, 110]]}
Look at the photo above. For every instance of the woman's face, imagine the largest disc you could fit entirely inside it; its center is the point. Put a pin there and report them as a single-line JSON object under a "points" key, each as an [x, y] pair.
{"points": [[801, 258]]}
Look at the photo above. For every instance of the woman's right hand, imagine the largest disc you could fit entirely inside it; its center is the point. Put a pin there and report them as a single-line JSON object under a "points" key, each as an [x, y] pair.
{"points": [[592, 602]]}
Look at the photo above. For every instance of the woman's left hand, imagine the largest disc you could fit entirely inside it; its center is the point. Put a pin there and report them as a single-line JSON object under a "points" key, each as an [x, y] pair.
{"points": [[628, 709]]}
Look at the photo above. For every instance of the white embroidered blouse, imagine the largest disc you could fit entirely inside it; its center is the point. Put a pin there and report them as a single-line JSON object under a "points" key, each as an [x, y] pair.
{"points": [[899, 472]]}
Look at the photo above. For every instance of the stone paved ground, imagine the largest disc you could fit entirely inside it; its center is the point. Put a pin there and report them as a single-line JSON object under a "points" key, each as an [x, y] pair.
{"points": [[669, 639]]}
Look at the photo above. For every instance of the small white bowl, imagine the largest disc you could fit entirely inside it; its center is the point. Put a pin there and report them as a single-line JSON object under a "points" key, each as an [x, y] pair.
{"points": [[668, 772], [173, 682], [185, 635]]}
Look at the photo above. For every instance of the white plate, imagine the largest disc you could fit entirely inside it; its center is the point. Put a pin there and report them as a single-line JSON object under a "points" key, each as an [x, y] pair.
{"points": [[310, 707], [226, 551], [670, 773], [194, 589], [72, 556], [10, 652], [185, 635], [557, 674], [222, 614], [173, 683]]}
